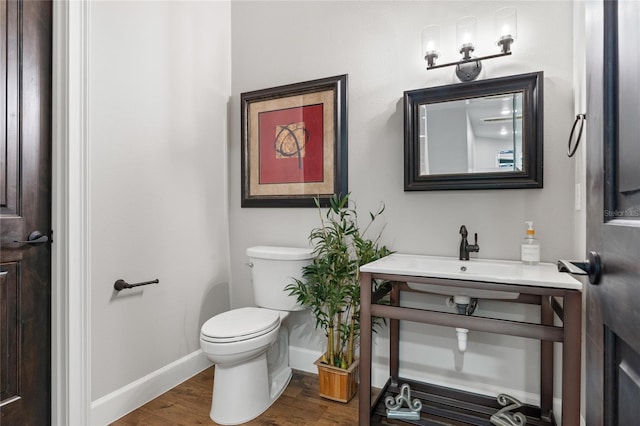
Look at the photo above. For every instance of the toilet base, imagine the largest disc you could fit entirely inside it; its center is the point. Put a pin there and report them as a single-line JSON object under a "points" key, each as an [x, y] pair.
{"points": [[280, 383], [234, 402]]}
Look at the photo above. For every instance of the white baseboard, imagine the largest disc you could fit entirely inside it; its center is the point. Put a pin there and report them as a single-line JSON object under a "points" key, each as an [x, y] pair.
{"points": [[120, 402], [302, 359]]}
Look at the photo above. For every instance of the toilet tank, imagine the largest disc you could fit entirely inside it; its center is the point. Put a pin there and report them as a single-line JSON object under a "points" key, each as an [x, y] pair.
{"points": [[274, 268]]}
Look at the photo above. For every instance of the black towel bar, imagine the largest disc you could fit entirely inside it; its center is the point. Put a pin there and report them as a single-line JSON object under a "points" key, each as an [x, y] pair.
{"points": [[122, 284]]}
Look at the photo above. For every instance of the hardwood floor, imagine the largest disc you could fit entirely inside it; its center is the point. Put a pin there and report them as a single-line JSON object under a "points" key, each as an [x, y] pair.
{"points": [[189, 404]]}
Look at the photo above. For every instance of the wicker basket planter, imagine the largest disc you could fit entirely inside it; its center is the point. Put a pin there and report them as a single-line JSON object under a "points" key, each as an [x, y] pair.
{"points": [[336, 383]]}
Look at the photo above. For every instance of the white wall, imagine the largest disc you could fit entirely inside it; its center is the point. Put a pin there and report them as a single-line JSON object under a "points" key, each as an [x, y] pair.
{"points": [[378, 45], [447, 140], [159, 83], [580, 159]]}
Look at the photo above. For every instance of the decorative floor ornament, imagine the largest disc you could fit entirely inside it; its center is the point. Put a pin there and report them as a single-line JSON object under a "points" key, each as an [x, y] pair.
{"points": [[504, 417], [394, 405]]}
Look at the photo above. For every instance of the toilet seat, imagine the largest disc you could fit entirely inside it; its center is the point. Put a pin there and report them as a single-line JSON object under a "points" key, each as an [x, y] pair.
{"points": [[239, 324]]}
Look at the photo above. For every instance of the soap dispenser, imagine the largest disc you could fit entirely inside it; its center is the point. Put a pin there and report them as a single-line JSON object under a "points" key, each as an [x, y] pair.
{"points": [[530, 251]]}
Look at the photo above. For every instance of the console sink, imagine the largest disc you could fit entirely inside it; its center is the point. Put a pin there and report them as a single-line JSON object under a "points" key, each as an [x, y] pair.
{"points": [[482, 270]]}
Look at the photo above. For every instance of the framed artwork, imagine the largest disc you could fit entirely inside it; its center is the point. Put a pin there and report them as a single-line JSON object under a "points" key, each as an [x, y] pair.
{"points": [[294, 143]]}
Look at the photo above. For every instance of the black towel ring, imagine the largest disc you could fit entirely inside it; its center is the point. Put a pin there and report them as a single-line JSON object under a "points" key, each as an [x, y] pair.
{"points": [[579, 118]]}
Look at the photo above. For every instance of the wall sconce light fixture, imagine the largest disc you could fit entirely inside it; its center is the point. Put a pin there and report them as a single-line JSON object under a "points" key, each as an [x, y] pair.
{"points": [[469, 67], [431, 44]]}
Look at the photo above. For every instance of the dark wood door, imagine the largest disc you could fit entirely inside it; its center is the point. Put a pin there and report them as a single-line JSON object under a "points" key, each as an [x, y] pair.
{"points": [[25, 206], [613, 215]]}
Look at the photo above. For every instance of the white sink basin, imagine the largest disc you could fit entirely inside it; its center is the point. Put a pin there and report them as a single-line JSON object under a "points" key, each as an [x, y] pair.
{"points": [[482, 270]]}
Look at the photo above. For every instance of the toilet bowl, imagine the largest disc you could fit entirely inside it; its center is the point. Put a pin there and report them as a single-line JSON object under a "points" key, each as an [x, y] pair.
{"points": [[239, 343], [239, 335], [249, 346]]}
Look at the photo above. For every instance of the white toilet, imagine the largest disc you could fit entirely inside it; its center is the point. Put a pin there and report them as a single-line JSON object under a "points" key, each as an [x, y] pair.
{"points": [[249, 346]]}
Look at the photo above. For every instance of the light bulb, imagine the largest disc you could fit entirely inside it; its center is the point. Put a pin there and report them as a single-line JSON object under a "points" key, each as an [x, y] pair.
{"points": [[506, 27], [431, 44], [466, 34], [466, 31]]}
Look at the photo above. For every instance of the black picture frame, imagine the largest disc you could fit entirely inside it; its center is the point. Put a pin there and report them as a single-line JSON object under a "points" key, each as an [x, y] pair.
{"points": [[275, 117]]}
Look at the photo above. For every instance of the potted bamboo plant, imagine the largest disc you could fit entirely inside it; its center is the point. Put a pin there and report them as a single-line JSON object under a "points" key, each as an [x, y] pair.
{"points": [[330, 288]]}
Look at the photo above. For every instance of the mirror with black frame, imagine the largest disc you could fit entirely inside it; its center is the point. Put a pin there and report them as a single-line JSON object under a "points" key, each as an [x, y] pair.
{"points": [[479, 135]]}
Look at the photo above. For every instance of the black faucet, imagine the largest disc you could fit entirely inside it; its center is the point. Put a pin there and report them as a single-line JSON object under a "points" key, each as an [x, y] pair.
{"points": [[465, 247]]}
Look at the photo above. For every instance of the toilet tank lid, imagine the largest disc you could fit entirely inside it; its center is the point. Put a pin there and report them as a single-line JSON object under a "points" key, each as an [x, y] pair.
{"points": [[280, 253]]}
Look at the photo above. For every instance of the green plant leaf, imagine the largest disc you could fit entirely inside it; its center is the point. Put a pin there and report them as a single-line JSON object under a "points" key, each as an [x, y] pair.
{"points": [[330, 285]]}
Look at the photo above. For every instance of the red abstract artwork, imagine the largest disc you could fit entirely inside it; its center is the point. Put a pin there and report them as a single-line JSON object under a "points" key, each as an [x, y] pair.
{"points": [[291, 145]]}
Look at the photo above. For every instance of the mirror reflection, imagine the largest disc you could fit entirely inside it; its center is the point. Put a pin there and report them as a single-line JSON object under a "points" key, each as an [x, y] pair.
{"points": [[473, 135]]}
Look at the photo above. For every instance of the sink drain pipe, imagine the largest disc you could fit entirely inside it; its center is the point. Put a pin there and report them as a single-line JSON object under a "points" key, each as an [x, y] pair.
{"points": [[466, 306]]}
